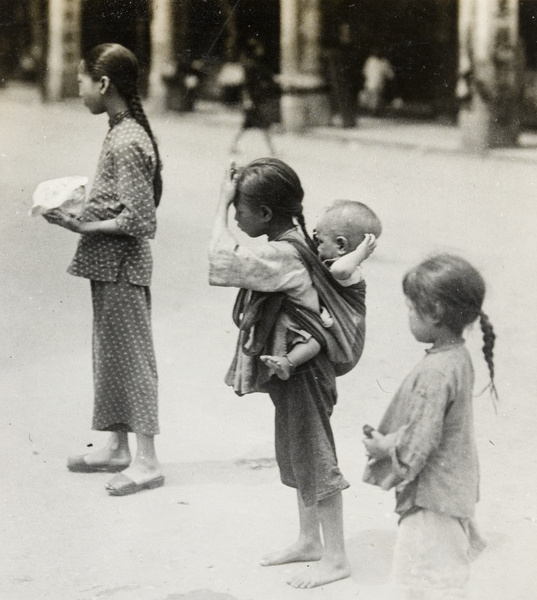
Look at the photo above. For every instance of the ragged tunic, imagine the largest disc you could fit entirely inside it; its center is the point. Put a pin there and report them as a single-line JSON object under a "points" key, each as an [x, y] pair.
{"points": [[433, 457], [304, 442], [274, 267], [120, 267]]}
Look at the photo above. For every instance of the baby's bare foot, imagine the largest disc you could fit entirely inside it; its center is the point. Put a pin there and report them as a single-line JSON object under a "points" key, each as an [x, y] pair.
{"points": [[295, 553], [280, 365], [321, 573]]}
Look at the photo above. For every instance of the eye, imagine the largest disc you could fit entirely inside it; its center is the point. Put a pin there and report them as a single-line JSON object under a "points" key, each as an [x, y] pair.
{"points": [[315, 238]]}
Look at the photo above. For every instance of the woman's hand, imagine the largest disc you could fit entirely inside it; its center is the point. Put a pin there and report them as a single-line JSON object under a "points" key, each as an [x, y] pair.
{"points": [[57, 217], [377, 446]]}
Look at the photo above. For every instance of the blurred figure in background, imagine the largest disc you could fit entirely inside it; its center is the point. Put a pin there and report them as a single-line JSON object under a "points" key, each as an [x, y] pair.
{"points": [[258, 91], [344, 77], [378, 73]]}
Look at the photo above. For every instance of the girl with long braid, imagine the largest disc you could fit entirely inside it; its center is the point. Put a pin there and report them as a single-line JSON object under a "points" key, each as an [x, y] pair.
{"points": [[425, 444], [267, 197], [114, 254]]}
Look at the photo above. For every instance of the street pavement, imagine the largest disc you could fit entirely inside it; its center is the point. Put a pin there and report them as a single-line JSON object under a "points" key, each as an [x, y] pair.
{"points": [[201, 535]]}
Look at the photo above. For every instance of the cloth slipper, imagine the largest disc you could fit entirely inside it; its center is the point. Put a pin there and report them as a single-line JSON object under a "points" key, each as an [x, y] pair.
{"points": [[121, 485], [78, 464]]}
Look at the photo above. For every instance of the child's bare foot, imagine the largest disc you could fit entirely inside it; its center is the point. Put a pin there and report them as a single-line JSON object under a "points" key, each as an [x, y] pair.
{"points": [[280, 365], [296, 553], [321, 573]]}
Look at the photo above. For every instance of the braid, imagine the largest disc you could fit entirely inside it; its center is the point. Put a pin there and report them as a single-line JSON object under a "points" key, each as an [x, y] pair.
{"points": [[309, 241], [135, 105], [489, 338]]}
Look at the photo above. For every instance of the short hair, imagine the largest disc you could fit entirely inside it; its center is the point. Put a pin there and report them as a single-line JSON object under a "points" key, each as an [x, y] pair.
{"points": [[446, 287], [353, 220]]}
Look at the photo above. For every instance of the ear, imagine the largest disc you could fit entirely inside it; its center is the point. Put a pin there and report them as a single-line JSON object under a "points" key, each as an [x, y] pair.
{"points": [[104, 84], [266, 213], [438, 313], [342, 245]]}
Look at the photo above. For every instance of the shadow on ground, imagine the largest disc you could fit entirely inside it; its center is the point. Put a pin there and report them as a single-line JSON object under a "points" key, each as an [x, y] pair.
{"points": [[370, 554], [243, 471]]}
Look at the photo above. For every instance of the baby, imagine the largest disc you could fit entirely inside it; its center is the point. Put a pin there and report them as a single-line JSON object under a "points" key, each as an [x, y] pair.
{"points": [[346, 235]]}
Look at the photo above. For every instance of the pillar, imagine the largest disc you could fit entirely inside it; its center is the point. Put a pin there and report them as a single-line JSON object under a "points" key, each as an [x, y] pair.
{"points": [[304, 94], [163, 62], [491, 67], [63, 54]]}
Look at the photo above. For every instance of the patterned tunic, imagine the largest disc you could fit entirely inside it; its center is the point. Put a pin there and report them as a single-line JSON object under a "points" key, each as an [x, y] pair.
{"points": [[120, 266], [123, 188]]}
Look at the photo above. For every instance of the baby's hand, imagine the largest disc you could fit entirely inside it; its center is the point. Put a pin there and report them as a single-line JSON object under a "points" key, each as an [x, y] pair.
{"points": [[368, 245]]}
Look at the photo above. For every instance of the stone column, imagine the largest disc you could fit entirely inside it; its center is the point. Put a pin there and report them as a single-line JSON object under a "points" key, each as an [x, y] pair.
{"points": [[491, 66], [162, 52], [304, 94], [63, 54]]}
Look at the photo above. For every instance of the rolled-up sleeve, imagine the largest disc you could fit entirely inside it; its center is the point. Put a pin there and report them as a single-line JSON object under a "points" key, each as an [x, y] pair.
{"points": [[274, 267], [134, 170]]}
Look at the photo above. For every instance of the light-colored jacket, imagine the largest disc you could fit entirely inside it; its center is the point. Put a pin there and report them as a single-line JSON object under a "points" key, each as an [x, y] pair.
{"points": [[433, 458]]}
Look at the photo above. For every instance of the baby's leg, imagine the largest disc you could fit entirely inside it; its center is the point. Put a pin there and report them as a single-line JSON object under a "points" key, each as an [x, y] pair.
{"points": [[283, 366]]}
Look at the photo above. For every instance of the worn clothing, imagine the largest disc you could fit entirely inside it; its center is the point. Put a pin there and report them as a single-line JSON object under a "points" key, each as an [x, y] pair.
{"points": [[119, 267], [274, 267], [304, 441], [305, 448], [124, 367], [123, 188], [430, 423], [432, 556], [433, 464]]}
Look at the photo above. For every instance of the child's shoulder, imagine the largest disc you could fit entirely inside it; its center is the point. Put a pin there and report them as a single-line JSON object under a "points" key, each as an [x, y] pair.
{"points": [[442, 363]]}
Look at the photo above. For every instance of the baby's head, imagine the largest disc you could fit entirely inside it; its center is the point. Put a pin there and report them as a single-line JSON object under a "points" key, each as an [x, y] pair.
{"points": [[343, 227]]}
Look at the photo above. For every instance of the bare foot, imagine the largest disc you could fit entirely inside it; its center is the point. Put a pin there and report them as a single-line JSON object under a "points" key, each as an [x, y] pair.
{"points": [[280, 365], [321, 573], [296, 553]]}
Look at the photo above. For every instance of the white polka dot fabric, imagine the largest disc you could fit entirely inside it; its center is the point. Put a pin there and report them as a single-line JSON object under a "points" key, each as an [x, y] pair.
{"points": [[124, 367], [123, 188], [120, 266]]}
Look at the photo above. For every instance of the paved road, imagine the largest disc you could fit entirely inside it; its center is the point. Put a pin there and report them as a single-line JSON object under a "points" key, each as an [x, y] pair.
{"points": [[199, 537]]}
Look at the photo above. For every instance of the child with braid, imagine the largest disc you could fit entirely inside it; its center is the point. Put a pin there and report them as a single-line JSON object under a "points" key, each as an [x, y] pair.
{"points": [[425, 444], [267, 197], [114, 254]]}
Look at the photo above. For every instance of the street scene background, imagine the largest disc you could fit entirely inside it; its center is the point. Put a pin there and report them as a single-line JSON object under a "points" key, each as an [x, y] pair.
{"points": [[200, 537]]}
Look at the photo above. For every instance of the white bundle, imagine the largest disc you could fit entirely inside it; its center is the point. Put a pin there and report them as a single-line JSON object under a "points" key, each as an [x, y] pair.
{"points": [[67, 194]]}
